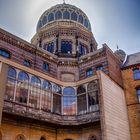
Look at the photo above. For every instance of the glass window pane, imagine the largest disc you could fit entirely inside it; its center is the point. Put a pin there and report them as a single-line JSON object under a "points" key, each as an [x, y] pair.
{"points": [[22, 76], [136, 74], [4, 53], [82, 49], [22, 87], [46, 97], [57, 104], [82, 104], [89, 72], [46, 67], [44, 20], [46, 85], [69, 91], [66, 46], [35, 90], [50, 47], [138, 94], [86, 23], [57, 89], [99, 68], [81, 90], [81, 19], [69, 105], [58, 15], [35, 80], [50, 17], [27, 63], [74, 16], [10, 88], [66, 15], [11, 72], [92, 90]]}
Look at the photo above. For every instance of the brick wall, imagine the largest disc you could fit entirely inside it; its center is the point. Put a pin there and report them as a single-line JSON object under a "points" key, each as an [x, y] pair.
{"points": [[132, 102]]}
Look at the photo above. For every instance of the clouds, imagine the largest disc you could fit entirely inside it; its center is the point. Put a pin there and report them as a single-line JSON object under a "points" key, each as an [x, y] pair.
{"points": [[113, 21]]}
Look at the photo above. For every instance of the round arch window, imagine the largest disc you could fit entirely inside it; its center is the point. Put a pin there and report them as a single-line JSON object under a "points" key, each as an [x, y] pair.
{"points": [[42, 138], [74, 16], [58, 15], [66, 15], [20, 137], [50, 17], [92, 138], [69, 101]]}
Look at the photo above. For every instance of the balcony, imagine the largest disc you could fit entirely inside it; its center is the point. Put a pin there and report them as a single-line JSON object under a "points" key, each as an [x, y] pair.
{"points": [[37, 114]]}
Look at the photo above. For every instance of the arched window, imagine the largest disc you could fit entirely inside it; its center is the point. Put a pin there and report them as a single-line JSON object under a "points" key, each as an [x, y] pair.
{"points": [[81, 19], [46, 96], [81, 100], [57, 89], [42, 138], [39, 24], [12, 73], [57, 99], [81, 90], [89, 72], [92, 90], [66, 47], [58, 15], [69, 101], [69, 91], [10, 87], [35, 89], [20, 137], [136, 74], [27, 63], [22, 87], [50, 17], [86, 23], [92, 138], [50, 47], [100, 67], [44, 20], [82, 49], [74, 16], [46, 66], [4, 53], [66, 15], [138, 94]]}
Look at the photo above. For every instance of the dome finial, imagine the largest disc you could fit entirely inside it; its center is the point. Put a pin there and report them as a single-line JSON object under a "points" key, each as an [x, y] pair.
{"points": [[117, 47], [64, 1]]}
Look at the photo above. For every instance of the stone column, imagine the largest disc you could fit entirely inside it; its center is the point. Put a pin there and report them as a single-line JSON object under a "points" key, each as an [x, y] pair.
{"points": [[59, 44], [3, 79], [77, 45]]}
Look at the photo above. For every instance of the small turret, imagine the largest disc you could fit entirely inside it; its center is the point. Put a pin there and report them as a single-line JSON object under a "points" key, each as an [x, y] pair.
{"points": [[120, 53]]}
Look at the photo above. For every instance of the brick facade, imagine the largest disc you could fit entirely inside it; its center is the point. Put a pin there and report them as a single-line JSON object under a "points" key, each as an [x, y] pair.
{"points": [[133, 104]]}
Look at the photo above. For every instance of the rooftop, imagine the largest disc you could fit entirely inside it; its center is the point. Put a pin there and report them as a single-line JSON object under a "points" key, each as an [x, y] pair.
{"points": [[132, 59]]}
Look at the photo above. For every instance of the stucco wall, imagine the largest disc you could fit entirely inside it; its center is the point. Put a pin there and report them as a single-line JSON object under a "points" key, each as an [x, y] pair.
{"points": [[114, 117]]}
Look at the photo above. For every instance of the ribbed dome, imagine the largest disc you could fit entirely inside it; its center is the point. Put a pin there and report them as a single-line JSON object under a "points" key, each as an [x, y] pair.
{"points": [[121, 54], [64, 12]]}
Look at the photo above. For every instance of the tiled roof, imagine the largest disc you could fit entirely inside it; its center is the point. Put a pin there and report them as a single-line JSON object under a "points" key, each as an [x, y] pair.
{"points": [[132, 59]]}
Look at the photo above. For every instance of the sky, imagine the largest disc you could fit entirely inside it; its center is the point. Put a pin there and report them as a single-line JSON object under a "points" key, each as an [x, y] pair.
{"points": [[114, 22]]}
